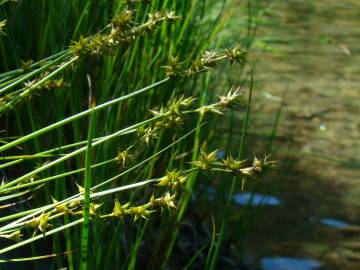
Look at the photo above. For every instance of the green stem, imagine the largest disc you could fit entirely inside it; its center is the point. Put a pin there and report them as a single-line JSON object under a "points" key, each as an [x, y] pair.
{"points": [[87, 185], [34, 212], [28, 91], [31, 74], [233, 183], [47, 179], [60, 148], [74, 153], [79, 115], [35, 238], [20, 70]]}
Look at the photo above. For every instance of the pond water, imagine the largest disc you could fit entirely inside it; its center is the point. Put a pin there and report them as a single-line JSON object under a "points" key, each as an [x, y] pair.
{"points": [[334, 223], [286, 263], [255, 199], [309, 50]]}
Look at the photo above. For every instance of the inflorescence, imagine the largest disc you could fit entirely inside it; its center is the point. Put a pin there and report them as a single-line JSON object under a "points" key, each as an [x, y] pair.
{"points": [[123, 31], [173, 114], [205, 62], [173, 182]]}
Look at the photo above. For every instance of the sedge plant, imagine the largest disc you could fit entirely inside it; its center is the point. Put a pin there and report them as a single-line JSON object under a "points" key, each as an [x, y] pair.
{"points": [[101, 138]]}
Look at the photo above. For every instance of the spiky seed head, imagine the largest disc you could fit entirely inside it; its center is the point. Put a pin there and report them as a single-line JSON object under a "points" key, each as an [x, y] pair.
{"points": [[236, 55], [149, 134], [14, 236], [123, 20], [207, 109], [40, 223], [173, 179], [120, 210], [26, 65], [248, 171], [206, 160], [123, 157], [141, 212], [233, 97], [43, 222], [174, 67], [93, 209], [61, 208], [232, 164], [165, 202], [80, 188]]}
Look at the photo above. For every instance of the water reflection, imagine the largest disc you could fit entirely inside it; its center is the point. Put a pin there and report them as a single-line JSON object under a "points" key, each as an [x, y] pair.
{"points": [[334, 223], [220, 154], [211, 192], [255, 199], [287, 263]]}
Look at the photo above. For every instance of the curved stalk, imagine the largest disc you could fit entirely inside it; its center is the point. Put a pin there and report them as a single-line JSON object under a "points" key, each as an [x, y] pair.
{"points": [[79, 115]]}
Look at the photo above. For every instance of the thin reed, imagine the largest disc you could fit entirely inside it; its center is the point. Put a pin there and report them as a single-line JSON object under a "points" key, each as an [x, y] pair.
{"points": [[106, 112]]}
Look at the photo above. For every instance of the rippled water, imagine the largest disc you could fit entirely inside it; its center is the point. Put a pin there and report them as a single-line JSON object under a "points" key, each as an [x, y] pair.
{"points": [[254, 199], [313, 56], [334, 223], [287, 263], [308, 52]]}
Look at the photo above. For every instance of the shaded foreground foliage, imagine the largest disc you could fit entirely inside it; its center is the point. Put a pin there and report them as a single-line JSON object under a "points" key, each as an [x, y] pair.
{"points": [[110, 128]]}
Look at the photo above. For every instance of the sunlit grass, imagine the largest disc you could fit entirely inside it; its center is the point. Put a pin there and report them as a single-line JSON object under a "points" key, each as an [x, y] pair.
{"points": [[112, 190]]}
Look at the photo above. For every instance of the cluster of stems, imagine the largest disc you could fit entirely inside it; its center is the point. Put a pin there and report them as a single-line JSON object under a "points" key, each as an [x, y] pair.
{"points": [[121, 30], [34, 77], [173, 183]]}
